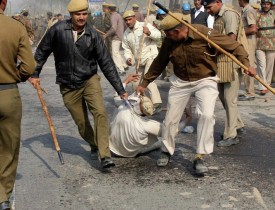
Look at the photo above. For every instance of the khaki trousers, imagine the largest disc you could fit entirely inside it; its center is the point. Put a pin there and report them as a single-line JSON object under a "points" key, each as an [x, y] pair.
{"points": [[265, 61], [78, 102], [119, 61], [10, 122], [206, 94], [228, 94], [152, 87]]}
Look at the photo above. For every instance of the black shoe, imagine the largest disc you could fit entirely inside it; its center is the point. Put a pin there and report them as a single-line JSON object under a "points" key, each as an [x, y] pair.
{"points": [[5, 205], [107, 163], [163, 159], [199, 167], [246, 98], [228, 142], [241, 131], [94, 154]]}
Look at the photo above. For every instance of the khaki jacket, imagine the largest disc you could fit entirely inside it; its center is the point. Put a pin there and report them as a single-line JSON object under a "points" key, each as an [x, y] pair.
{"points": [[14, 45]]}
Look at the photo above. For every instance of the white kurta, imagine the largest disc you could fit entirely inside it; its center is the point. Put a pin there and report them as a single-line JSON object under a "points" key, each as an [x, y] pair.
{"points": [[131, 133]]}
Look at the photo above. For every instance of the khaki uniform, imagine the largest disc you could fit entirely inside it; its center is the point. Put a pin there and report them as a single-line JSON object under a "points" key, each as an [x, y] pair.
{"points": [[249, 18], [14, 44], [228, 21], [194, 73], [107, 26], [28, 25]]}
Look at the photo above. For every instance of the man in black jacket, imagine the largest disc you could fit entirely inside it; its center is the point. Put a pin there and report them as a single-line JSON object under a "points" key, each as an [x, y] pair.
{"points": [[200, 16], [78, 49]]}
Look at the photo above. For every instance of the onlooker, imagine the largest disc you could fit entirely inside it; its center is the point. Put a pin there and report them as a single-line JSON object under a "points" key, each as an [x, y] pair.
{"points": [[116, 34], [249, 22], [265, 53], [139, 16], [200, 16], [14, 49]]}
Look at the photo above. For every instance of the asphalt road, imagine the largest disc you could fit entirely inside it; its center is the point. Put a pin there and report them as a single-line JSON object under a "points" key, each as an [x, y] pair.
{"points": [[240, 177]]}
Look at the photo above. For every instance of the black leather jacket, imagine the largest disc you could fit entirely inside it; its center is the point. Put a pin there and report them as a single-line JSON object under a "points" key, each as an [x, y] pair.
{"points": [[76, 62]]}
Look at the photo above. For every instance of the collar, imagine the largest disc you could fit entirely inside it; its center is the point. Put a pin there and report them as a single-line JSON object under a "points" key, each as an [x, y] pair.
{"points": [[136, 26], [222, 10], [69, 26], [200, 10]]}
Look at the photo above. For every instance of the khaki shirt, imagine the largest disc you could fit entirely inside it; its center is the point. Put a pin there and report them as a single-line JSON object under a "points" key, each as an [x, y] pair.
{"points": [[28, 25], [14, 45], [191, 58], [132, 40], [117, 27], [249, 18]]}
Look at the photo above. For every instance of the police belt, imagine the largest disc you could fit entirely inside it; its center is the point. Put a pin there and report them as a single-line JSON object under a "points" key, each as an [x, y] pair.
{"points": [[8, 86], [266, 28]]}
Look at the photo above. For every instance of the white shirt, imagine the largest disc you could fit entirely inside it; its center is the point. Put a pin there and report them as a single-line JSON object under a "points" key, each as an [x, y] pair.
{"points": [[131, 133], [210, 19], [132, 40]]}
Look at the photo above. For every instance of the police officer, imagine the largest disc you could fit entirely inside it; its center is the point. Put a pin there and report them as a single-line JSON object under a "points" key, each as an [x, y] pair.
{"points": [[14, 44], [194, 74], [228, 22], [28, 24], [78, 50]]}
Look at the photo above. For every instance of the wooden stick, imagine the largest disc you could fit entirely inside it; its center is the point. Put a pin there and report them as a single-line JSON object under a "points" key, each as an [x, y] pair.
{"points": [[143, 37], [99, 31], [214, 45], [50, 124]]}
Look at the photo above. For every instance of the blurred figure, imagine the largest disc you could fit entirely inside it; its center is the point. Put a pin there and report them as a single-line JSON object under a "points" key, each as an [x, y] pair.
{"points": [[59, 17], [250, 27], [116, 34], [265, 53], [152, 16], [139, 16], [28, 25], [186, 10]]}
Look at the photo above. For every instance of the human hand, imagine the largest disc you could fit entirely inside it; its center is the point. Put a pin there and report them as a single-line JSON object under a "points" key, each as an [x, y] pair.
{"points": [[132, 78], [251, 71], [34, 81], [146, 31], [124, 95], [140, 90]]}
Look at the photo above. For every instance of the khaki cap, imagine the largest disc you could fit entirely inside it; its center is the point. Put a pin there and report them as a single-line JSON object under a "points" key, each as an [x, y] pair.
{"points": [[112, 5], [77, 5], [105, 4], [256, 6], [169, 23], [135, 6], [128, 13]]}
